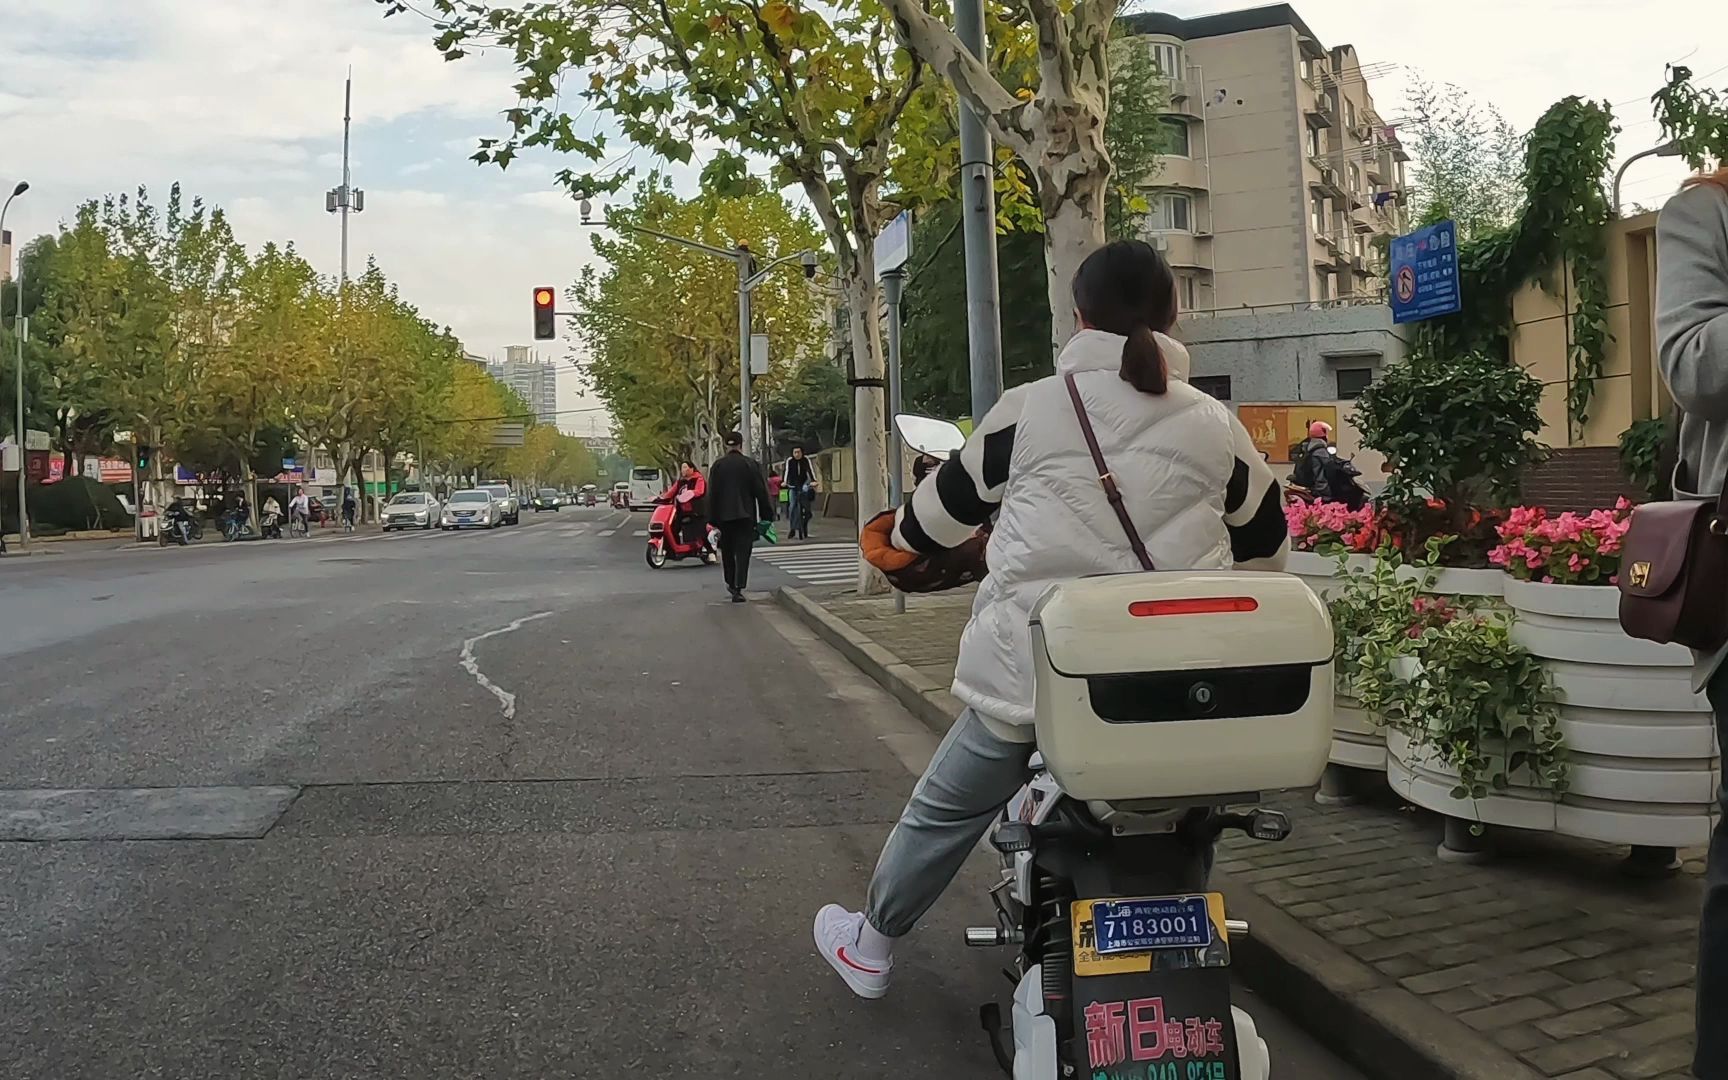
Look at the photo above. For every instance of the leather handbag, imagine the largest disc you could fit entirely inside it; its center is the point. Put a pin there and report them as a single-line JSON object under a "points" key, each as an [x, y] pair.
{"points": [[1105, 478], [1674, 573]]}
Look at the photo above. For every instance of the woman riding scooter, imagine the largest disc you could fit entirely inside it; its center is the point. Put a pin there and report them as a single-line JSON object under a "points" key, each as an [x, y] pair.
{"points": [[1194, 494], [689, 494]]}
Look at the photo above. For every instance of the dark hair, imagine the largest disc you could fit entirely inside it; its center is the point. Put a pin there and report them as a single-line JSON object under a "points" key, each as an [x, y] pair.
{"points": [[734, 439], [688, 464], [1126, 287]]}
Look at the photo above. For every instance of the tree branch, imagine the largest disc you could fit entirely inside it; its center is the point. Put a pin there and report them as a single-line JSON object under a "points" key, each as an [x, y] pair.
{"points": [[932, 41], [1055, 62]]}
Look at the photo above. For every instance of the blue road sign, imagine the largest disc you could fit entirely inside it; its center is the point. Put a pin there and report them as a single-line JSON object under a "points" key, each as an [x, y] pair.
{"points": [[1425, 273]]}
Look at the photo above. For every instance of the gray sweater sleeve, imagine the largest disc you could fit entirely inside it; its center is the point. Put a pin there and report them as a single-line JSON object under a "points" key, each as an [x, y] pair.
{"points": [[1692, 300]]}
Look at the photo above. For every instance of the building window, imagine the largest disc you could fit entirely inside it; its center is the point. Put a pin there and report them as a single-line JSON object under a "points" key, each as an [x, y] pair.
{"points": [[1352, 381], [1361, 244], [1350, 115], [1355, 178], [1317, 208], [1172, 212], [1322, 285], [1189, 294], [1216, 385], [1307, 67], [1176, 136], [1314, 143], [1168, 58]]}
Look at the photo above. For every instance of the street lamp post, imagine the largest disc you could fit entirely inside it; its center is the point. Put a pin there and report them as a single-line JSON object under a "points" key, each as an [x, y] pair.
{"points": [[748, 278], [1667, 149], [19, 329]]}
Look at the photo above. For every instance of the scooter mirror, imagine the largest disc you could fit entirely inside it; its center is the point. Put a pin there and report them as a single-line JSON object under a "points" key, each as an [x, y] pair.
{"points": [[928, 435]]}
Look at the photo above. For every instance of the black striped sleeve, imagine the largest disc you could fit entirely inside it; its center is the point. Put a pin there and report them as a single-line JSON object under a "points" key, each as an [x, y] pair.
{"points": [[954, 501], [1254, 508]]}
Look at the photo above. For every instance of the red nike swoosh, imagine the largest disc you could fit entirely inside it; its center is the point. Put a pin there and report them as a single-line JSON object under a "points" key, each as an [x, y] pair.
{"points": [[855, 965]]}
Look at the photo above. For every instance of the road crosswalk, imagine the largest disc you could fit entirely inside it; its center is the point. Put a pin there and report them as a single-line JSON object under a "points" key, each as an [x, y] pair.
{"points": [[814, 564]]}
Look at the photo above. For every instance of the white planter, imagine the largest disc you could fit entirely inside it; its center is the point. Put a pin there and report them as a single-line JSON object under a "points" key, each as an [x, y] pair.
{"points": [[1357, 741], [1458, 581], [1427, 782], [1320, 572], [1645, 764]]}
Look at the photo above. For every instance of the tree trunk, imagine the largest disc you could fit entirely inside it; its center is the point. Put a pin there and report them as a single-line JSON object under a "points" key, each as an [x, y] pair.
{"points": [[1072, 231], [869, 422]]}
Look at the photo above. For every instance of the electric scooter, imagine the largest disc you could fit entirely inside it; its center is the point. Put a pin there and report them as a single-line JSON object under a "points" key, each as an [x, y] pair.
{"points": [[1164, 703], [665, 545]]}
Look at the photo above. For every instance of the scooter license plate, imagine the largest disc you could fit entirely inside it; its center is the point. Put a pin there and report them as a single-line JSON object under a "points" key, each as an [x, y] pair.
{"points": [[1119, 935], [1130, 926]]}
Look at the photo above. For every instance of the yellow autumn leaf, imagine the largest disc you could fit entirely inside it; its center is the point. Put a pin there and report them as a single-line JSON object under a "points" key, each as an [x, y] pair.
{"points": [[779, 16], [596, 81], [1024, 93]]}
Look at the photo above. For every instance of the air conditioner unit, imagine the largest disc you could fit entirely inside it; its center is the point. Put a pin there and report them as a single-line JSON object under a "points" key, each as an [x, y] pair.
{"points": [[1160, 242]]}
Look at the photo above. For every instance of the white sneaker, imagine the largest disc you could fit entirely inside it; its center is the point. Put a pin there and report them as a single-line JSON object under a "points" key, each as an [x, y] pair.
{"points": [[837, 940]]}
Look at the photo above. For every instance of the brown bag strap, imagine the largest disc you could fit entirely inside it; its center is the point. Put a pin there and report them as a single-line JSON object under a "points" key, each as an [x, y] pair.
{"points": [[1105, 479]]}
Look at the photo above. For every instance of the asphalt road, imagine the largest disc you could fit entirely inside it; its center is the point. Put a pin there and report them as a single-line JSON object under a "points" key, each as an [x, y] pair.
{"points": [[491, 805]]}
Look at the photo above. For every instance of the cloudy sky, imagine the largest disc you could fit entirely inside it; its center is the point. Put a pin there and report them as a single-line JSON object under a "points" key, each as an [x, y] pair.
{"points": [[241, 102]]}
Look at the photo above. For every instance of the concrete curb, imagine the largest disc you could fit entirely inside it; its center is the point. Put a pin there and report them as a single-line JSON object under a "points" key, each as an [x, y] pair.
{"points": [[1381, 1028]]}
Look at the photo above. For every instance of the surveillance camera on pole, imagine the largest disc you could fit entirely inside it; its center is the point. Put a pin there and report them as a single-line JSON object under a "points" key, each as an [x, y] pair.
{"points": [[808, 259]]}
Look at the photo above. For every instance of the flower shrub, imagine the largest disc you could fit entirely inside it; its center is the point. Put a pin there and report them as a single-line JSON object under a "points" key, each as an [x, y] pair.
{"points": [[1568, 549], [1330, 527]]}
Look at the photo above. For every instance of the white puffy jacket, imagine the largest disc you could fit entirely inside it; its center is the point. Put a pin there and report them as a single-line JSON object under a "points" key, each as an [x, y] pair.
{"points": [[1198, 492]]}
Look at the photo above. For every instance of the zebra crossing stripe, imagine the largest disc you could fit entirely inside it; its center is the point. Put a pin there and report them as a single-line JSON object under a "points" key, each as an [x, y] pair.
{"points": [[817, 564]]}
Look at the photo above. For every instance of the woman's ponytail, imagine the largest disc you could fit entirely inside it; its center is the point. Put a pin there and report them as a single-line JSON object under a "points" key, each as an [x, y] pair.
{"points": [[1127, 288], [1143, 362]]}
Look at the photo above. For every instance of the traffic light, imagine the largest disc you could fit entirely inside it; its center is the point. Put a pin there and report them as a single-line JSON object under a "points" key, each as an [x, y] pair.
{"points": [[143, 458], [545, 319]]}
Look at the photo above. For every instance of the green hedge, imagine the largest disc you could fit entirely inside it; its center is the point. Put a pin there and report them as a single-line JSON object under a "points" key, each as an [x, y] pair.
{"points": [[72, 504]]}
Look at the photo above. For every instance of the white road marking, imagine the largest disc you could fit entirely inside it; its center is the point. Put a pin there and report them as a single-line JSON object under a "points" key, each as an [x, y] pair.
{"points": [[505, 698], [606, 532], [817, 564], [638, 532]]}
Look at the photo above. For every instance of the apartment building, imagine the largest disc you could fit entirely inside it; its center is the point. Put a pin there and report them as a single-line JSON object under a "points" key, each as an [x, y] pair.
{"points": [[1282, 173], [534, 379]]}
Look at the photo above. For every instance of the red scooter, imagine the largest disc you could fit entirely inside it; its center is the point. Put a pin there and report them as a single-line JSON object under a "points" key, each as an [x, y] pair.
{"points": [[664, 543]]}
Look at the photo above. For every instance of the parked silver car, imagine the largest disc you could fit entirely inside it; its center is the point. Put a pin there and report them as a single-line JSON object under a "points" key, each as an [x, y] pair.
{"points": [[410, 510], [471, 509]]}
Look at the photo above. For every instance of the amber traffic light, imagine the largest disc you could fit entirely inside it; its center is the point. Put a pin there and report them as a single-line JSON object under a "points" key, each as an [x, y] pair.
{"points": [[545, 318]]}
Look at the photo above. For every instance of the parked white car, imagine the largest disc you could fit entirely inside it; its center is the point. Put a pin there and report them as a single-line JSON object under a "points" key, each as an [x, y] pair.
{"points": [[411, 510], [471, 510]]}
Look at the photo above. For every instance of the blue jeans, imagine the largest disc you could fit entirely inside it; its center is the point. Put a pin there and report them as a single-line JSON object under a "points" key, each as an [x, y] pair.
{"points": [[967, 783]]}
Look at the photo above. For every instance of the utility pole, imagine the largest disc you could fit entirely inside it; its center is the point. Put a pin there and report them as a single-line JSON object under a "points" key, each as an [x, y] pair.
{"points": [[893, 285], [746, 267], [20, 330], [343, 200], [978, 222]]}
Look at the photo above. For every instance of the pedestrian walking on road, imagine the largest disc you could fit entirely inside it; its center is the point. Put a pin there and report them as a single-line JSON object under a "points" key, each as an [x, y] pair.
{"points": [[1692, 347], [775, 486], [737, 500], [349, 507], [801, 482]]}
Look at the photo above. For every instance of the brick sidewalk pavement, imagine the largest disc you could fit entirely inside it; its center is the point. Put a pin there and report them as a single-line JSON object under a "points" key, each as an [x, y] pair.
{"points": [[1544, 963]]}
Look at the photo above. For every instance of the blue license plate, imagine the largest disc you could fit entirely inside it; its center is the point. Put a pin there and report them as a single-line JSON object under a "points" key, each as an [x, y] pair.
{"points": [[1174, 922]]}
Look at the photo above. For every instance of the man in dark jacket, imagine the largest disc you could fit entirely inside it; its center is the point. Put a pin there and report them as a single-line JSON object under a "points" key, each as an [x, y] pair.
{"points": [[737, 500]]}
